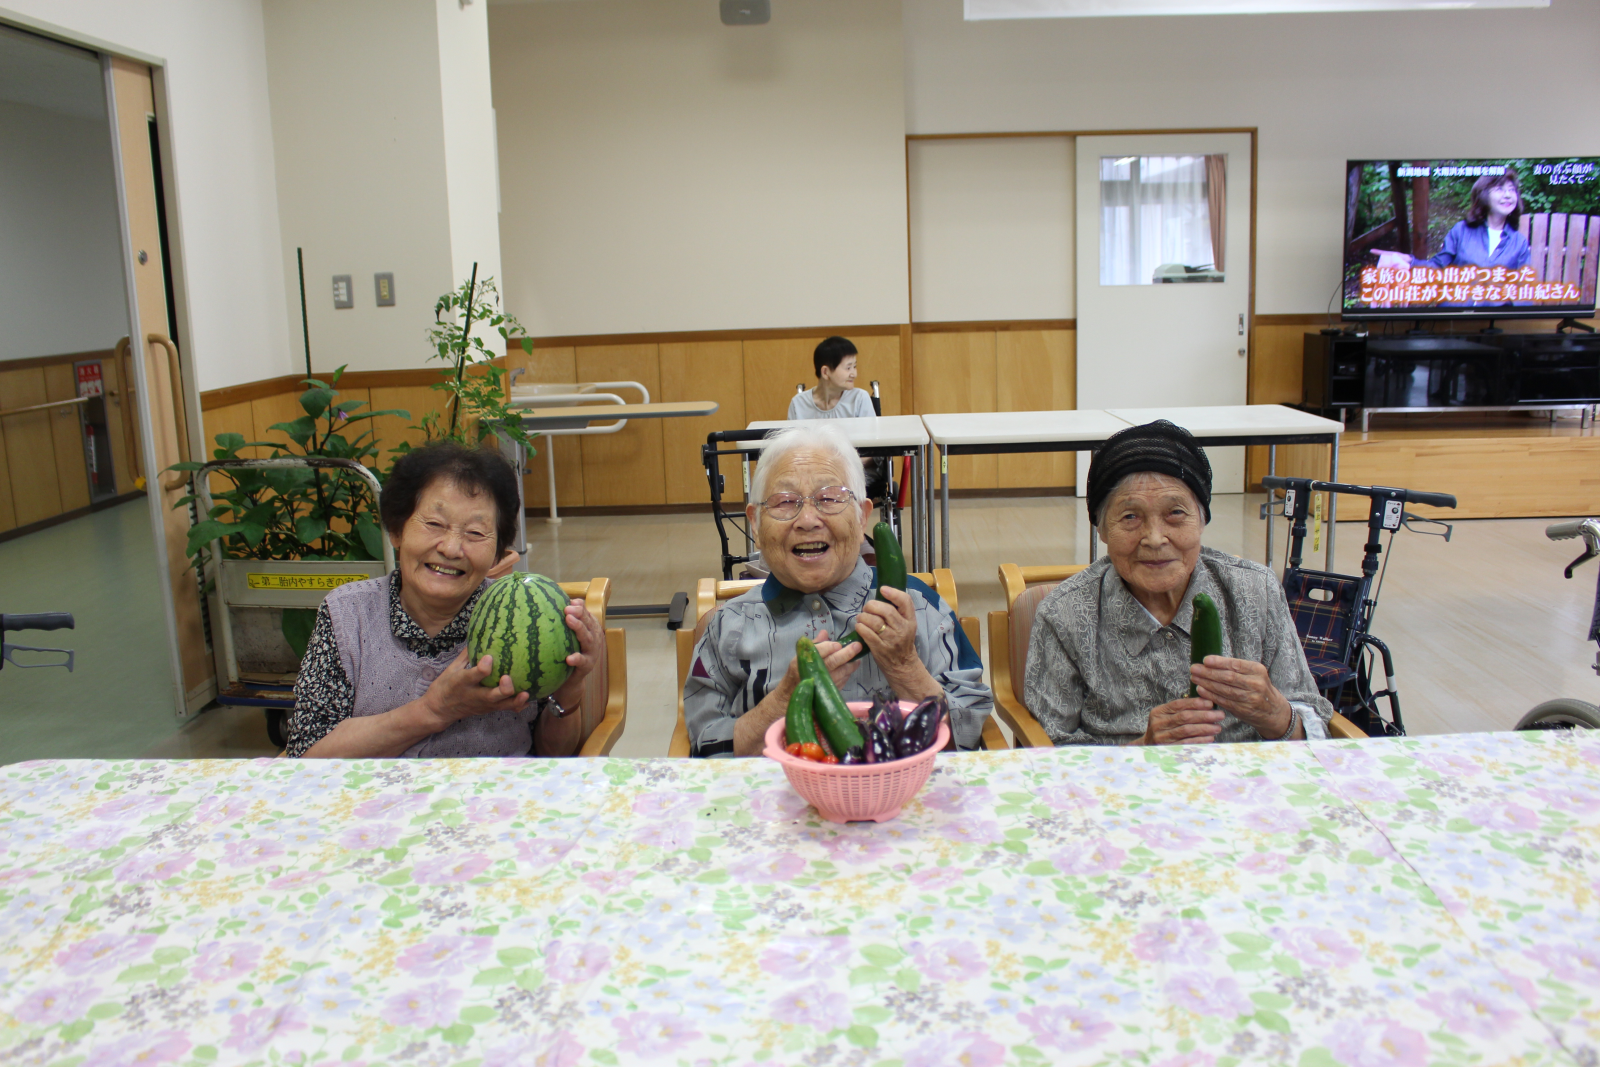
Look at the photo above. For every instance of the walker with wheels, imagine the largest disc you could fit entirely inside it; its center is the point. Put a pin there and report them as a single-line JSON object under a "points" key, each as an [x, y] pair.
{"points": [[1566, 713]]}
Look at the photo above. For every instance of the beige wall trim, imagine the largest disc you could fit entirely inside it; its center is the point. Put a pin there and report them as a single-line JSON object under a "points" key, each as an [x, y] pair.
{"points": [[700, 336], [999, 326]]}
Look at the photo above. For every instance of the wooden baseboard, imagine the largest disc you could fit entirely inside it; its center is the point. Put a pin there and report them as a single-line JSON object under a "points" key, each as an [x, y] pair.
{"points": [[998, 494], [68, 516]]}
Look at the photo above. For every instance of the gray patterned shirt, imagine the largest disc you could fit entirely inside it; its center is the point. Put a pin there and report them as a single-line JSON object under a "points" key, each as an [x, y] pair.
{"points": [[1098, 661], [749, 644]]}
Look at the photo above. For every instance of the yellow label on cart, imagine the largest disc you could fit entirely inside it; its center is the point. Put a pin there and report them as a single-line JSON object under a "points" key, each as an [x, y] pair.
{"points": [[302, 581]]}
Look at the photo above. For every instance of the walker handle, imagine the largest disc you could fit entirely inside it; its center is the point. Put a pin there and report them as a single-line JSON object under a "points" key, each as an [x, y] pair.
{"points": [[49, 620], [1560, 531]]}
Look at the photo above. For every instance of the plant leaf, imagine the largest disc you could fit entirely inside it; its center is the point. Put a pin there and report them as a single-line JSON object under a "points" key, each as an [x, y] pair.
{"points": [[371, 536], [204, 532], [297, 626], [309, 529]]}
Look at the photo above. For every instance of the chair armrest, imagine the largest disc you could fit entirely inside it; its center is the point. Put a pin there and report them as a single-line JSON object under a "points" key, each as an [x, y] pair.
{"points": [[1025, 729], [1341, 727], [678, 747], [993, 739], [609, 729]]}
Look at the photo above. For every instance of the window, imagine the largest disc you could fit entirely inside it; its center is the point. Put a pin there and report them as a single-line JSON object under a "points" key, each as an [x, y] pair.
{"points": [[1162, 219]]}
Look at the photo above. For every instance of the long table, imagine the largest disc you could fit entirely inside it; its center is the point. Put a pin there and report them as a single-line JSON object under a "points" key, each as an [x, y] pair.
{"points": [[1396, 901], [990, 433]]}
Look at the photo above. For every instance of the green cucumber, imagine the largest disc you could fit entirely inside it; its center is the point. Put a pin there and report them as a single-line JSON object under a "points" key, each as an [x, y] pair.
{"points": [[800, 728], [1205, 633], [891, 567], [833, 717]]}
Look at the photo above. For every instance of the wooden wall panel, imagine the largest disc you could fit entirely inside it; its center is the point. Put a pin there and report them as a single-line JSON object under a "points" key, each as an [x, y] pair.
{"points": [[772, 369], [956, 372], [66, 429], [712, 370], [627, 467], [415, 400], [234, 418], [122, 422], [552, 365], [8, 510], [878, 358], [1491, 477], [30, 448], [1036, 370]]}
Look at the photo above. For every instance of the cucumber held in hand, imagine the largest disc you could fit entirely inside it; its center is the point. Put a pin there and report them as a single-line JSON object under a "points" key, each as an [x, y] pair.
{"points": [[891, 567], [521, 622], [799, 725], [833, 717], [1205, 633]]}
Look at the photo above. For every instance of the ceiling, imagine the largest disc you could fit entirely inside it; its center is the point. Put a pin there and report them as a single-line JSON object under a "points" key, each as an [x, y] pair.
{"points": [[49, 75]]}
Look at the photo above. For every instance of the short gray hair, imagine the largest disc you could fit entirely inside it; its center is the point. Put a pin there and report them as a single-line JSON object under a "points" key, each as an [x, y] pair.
{"points": [[815, 436]]}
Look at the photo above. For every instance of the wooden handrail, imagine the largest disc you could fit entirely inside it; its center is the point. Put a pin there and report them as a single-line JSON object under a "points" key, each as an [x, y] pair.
{"points": [[41, 407], [175, 480]]}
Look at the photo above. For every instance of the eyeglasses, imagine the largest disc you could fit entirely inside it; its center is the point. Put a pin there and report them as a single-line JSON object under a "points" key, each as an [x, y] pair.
{"points": [[472, 535], [829, 500]]}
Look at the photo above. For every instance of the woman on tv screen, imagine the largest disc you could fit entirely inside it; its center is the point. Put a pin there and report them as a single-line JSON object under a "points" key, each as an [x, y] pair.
{"points": [[1486, 237]]}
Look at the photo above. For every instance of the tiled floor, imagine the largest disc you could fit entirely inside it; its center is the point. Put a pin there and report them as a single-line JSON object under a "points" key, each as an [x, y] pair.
{"points": [[1482, 628]]}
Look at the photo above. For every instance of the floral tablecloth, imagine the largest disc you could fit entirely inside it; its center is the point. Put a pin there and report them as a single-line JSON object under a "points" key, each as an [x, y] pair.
{"points": [[1416, 901]]}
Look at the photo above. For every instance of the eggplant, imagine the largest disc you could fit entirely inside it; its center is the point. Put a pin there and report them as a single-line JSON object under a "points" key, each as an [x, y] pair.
{"points": [[855, 755], [880, 746], [922, 727]]}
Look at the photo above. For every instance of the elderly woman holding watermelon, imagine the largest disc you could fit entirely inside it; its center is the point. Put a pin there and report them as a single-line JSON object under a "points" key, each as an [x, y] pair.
{"points": [[387, 673], [808, 505]]}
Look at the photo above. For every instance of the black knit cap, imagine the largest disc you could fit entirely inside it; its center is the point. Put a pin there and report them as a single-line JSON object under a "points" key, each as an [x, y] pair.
{"points": [[1159, 447]]}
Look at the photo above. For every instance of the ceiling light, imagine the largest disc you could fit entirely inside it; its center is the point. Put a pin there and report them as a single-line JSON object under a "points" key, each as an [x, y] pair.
{"points": [[979, 10]]}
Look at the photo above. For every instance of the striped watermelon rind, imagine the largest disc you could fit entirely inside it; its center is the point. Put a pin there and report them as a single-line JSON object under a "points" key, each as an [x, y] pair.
{"points": [[520, 620]]}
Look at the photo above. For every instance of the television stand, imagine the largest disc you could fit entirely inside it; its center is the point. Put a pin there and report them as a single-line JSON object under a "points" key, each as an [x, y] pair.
{"points": [[1573, 324]]}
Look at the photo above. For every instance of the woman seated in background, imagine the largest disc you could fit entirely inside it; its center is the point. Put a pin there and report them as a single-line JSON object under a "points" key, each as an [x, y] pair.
{"points": [[1108, 662], [807, 511], [386, 671], [835, 395]]}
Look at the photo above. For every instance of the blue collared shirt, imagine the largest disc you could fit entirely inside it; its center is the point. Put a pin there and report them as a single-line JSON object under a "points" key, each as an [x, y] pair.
{"points": [[1468, 245], [749, 644]]}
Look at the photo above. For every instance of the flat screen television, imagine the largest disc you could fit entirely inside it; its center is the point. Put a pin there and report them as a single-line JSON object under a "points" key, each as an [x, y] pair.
{"points": [[1471, 238]]}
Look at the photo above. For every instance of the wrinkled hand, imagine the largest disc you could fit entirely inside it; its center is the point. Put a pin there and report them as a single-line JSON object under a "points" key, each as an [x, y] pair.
{"points": [[1189, 721], [1243, 688], [459, 693], [840, 660], [591, 639], [889, 630]]}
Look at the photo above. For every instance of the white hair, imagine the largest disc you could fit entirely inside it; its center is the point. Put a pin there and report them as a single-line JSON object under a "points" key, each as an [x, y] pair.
{"points": [[816, 436]]}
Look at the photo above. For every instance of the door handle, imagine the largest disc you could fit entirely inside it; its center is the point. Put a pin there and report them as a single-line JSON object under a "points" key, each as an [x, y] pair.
{"points": [[175, 480]]}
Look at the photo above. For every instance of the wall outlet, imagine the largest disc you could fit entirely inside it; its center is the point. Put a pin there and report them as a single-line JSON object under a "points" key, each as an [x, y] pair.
{"points": [[383, 285], [344, 295]]}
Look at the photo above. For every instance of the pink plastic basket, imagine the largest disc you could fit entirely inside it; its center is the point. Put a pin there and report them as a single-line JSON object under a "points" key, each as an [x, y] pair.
{"points": [[861, 791]]}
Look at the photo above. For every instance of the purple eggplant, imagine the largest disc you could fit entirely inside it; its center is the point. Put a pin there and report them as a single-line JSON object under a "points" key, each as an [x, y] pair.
{"points": [[922, 727], [880, 746], [888, 721], [855, 755]]}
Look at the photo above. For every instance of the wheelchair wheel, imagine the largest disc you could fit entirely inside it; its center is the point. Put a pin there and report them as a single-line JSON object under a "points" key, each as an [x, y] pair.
{"points": [[1563, 713], [278, 727]]}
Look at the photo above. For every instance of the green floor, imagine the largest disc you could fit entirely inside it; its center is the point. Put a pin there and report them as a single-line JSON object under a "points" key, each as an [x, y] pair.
{"points": [[118, 702]]}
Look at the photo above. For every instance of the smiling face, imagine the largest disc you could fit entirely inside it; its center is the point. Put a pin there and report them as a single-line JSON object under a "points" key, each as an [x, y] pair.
{"points": [[446, 547], [1151, 527], [812, 551], [843, 376], [1501, 200]]}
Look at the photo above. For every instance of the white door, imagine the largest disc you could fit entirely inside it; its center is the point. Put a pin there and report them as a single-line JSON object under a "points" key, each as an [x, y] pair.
{"points": [[1163, 298]]}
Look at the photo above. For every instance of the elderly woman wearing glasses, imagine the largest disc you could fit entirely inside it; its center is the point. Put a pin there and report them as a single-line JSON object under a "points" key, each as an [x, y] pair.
{"points": [[807, 515], [1108, 663]]}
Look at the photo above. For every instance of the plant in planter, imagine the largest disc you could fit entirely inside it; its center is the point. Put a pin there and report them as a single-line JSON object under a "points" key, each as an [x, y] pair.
{"points": [[294, 513], [477, 406]]}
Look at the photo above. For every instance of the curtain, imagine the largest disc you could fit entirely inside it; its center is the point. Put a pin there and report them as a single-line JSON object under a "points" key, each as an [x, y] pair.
{"points": [[1154, 211], [1217, 200]]}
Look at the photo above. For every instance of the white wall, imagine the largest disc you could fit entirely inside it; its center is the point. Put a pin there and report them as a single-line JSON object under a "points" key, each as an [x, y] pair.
{"points": [[992, 229], [61, 281], [226, 207], [1321, 88], [661, 171]]}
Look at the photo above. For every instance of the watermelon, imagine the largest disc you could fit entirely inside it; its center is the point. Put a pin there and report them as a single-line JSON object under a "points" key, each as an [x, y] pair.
{"points": [[520, 620]]}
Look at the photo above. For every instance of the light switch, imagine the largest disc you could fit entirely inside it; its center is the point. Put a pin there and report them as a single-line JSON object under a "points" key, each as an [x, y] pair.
{"points": [[343, 293], [384, 286]]}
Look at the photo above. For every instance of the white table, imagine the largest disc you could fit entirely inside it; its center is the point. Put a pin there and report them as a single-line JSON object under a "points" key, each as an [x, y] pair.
{"points": [[991, 433], [888, 435]]}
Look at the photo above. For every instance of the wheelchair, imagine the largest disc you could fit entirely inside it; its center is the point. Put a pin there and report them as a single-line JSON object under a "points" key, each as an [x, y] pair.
{"points": [[1566, 713], [1333, 612]]}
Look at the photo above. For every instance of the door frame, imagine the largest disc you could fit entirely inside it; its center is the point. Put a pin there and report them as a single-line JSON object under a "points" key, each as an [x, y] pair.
{"points": [[186, 704], [1254, 133]]}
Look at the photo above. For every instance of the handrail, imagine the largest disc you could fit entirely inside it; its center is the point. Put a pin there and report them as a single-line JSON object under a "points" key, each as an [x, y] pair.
{"points": [[180, 411], [41, 407], [125, 379]]}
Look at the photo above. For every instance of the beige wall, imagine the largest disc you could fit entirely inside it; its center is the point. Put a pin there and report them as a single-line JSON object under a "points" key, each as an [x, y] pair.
{"points": [[992, 229], [1322, 88], [382, 122], [661, 171]]}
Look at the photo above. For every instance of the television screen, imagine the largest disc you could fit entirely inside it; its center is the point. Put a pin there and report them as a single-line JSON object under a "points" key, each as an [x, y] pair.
{"points": [[1484, 238]]}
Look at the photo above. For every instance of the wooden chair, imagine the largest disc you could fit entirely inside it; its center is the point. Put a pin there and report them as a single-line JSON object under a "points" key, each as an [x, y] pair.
{"points": [[1564, 248], [710, 593], [1009, 632], [605, 694]]}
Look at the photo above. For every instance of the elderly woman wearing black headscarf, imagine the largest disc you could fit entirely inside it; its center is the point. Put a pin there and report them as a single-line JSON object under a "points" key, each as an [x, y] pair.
{"points": [[1108, 662]]}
